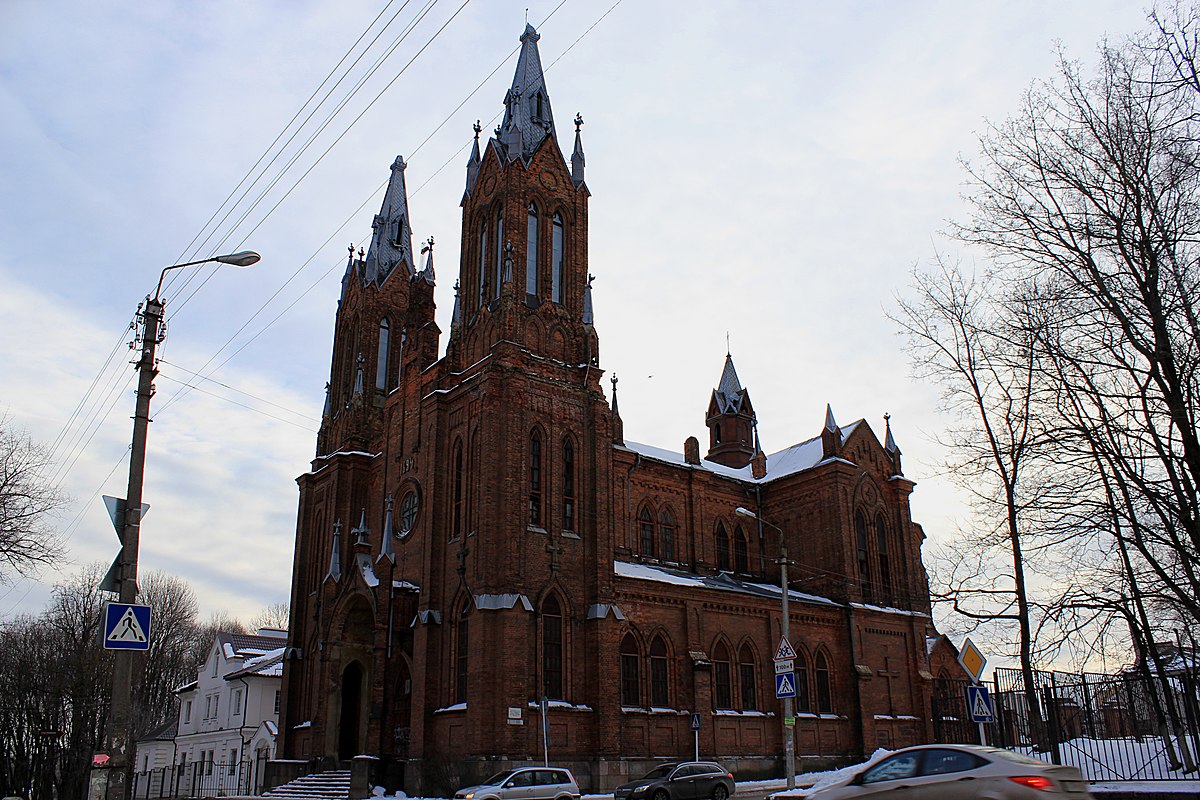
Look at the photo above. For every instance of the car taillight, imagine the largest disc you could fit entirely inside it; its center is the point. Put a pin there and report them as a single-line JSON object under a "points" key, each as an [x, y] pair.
{"points": [[729, 775], [1034, 782]]}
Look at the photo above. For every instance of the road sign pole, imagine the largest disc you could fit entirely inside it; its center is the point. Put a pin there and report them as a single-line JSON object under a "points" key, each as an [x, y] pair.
{"points": [[789, 744]]}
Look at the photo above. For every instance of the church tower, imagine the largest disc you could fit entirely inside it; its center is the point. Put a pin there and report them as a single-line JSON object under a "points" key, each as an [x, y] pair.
{"points": [[731, 421]]}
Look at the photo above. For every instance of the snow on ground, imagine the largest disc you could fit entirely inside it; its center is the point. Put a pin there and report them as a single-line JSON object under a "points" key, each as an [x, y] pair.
{"points": [[1128, 759]]}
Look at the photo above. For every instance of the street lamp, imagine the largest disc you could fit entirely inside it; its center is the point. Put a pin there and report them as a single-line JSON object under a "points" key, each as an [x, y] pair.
{"points": [[120, 725], [789, 743]]}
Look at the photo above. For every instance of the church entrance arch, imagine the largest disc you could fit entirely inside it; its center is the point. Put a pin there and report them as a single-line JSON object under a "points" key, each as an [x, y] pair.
{"points": [[350, 718]]}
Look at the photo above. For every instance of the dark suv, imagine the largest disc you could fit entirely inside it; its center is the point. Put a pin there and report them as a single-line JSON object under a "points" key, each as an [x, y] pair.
{"points": [[690, 780]]}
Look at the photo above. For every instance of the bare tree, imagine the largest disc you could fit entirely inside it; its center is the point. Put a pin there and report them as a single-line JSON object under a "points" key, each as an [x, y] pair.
{"points": [[276, 615], [27, 502]]}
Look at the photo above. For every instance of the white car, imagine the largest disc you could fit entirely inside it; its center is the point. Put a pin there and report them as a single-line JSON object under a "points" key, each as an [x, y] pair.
{"points": [[958, 772]]}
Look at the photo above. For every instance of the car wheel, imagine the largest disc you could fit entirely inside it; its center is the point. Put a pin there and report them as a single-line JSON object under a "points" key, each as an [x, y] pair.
{"points": [[720, 792], [661, 794]]}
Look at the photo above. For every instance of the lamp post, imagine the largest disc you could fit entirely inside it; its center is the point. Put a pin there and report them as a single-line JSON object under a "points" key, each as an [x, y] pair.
{"points": [[789, 742], [120, 722]]}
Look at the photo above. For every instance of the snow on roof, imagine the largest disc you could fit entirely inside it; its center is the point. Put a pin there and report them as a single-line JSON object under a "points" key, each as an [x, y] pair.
{"points": [[267, 665], [790, 460], [246, 645], [722, 581], [187, 687], [889, 610]]}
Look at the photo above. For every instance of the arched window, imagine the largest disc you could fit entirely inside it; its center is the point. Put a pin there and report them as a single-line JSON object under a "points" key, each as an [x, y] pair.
{"points": [[552, 649], [881, 546], [556, 261], [381, 357], [646, 528], [666, 533], [864, 560], [741, 550], [824, 692], [747, 675], [483, 239], [456, 514], [535, 479], [803, 695], [462, 642], [722, 680], [660, 694], [531, 251], [722, 547], [499, 254], [568, 479], [631, 690]]}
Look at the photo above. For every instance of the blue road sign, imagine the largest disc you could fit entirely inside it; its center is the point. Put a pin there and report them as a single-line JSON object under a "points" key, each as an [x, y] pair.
{"points": [[126, 627], [785, 684], [695, 720], [979, 703]]}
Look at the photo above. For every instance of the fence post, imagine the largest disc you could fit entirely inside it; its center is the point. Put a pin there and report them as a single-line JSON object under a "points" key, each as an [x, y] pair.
{"points": [[1052, 731]]}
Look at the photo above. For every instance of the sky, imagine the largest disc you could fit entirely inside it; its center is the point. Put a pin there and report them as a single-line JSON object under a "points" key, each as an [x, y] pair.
{"points": [[765, 177]]}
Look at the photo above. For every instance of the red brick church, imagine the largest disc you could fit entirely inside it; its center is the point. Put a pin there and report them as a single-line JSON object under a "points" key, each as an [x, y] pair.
{"points": [[476, 534]]}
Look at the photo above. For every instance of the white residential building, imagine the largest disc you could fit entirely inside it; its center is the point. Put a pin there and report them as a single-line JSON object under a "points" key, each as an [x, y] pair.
{"points": [[229, 715]]}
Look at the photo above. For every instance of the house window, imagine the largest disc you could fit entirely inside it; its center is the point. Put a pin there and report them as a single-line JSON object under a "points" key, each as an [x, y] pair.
{"points": [[660, 696], [803, 703], [631, 694], [381, 359], [552, 649], [864, 563], [747, 673], [187, 711], [881, 545], [556, 261], [568, 478], [666, 532], [483, 238], [276, 701], [237, 702], [646, 527], [460, 661], [741, 551], [531, 244], [457, 511], [499, 254], [535, 480], [824, 694], [722, 680], [722, 547], [233, 759]]}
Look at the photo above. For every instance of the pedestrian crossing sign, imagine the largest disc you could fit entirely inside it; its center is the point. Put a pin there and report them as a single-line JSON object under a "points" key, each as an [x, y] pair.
{"points": [[785, 685], [979, 703], [126, 626]]}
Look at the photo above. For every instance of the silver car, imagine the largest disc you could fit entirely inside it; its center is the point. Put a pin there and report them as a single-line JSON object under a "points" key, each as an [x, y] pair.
{"points": [[958, 772], [524, 783]]}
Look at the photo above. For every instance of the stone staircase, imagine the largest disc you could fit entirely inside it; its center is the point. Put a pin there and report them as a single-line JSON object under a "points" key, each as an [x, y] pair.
{"points": [[331, 785]]}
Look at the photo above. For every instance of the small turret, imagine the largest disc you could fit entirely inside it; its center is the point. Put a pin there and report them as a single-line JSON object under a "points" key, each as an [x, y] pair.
{"points": [[890, 446], [578, 162], [474, 160], [831, 435], [731, 421]]}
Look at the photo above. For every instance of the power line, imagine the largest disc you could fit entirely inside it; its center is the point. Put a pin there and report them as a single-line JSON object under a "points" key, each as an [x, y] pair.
{"points": [[236, 403], [239, 391]]}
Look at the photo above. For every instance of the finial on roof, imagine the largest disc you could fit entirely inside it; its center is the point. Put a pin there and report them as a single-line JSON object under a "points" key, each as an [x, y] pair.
{"points": [[587, 318], [427, 273], [614, 385], [327, 411], [578, 160], [361, 252], [727, 351], [473, 161], [399, 164], [456, 315], [335, 555], [578, 121], [386, 550], [889, 442], [477, 128], [830, 422]]}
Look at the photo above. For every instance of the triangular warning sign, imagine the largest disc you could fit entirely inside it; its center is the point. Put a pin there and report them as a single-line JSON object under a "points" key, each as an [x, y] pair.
{"points": [[127, 629], [981, 709], [785, 651]]}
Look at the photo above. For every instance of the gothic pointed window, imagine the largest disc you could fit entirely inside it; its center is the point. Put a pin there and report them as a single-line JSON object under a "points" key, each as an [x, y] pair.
{"points": [[722, 547], [463, 649], [741, 551], [660, 694], [552, 649], [531, 251], [881, 545], [631, 688], [864, 559], [646, 529], [535, 480], [381, 358], [556, 261], [722, 680], [483, 239], [568, 480], [456, 516], [666, 534], [803, 694], [824, 690], [499, 255], [747, 675]]}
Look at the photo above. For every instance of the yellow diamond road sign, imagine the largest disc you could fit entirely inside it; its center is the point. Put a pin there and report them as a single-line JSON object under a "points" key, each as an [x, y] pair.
{"points": [[972, 660]]}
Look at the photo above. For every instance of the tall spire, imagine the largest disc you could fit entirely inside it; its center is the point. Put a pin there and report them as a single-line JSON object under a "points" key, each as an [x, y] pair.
{"points": [[427, 273], [473, 161], [528, 119], [391, 241], [577, 158], [456, 315], [729, 390]]}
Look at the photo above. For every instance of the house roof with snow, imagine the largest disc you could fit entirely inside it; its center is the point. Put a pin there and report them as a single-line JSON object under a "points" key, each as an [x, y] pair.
{"points": [[248, 645], [268, 665], [163, 733]]}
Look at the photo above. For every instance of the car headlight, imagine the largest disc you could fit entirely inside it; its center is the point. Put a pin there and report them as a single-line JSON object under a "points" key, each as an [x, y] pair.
{"points": [[468, 795], [640, 789]]}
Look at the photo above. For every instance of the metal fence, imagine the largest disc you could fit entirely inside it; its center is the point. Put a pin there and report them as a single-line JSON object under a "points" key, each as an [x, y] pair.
{"points": [[1112, 727], [199, 779]]}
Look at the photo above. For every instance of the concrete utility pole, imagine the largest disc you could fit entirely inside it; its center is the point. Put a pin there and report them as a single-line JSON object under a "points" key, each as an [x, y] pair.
{"points": [[120, 720]]}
